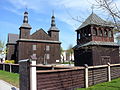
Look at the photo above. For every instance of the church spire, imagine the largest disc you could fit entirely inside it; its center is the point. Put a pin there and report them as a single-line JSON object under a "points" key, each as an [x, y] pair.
{"points": [[53, 20], [25, 17], [25, 21], [53, 25]]}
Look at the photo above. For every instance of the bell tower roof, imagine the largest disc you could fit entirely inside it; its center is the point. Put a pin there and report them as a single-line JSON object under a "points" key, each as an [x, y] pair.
{"points": [[94, 19]]}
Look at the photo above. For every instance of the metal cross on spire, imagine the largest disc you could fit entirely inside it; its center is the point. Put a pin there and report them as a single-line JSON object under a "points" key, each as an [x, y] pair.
{"points": [[26, 8], [52, 12], [92, 7]]}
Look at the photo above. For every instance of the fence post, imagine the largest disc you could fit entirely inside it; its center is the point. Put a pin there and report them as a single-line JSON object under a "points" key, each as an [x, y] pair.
{"points": [[24, 71], [10, 67], [86, 76], [33, 76], [109, 73], [3, 67]]}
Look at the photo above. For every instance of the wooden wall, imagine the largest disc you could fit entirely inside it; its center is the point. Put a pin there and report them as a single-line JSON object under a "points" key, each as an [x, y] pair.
{"points": [[6, 67], [93, 55], [73, 78], [60, 80], [11, 55], [70, 78], [97, 75], [98, 52], [26, 50], [115, 72]]}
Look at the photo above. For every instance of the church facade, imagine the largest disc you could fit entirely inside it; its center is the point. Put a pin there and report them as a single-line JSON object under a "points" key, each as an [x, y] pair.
{"points": [[45, 46], [95, 43]]}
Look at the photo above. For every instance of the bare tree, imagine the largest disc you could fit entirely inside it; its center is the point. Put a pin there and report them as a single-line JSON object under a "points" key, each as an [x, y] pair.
{"points": [[110, 7]]}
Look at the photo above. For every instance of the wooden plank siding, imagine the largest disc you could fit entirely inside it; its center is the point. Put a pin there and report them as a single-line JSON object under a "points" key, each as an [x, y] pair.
{"points": [[1, 66], [97, 75], [61, 80], [115, 72], [27, 48]]}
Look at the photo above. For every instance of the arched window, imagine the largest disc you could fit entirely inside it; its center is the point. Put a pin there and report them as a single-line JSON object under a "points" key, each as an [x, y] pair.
{"points": [[110, 34], [95, 31], [79, 36], [100, 33], [105, 33]]}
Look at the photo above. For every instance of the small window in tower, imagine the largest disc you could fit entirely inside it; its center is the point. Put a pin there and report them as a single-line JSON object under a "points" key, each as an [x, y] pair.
{"points": [[78, 35], [110, 34], [105, 33], [34, 47], [100, 32], [94, 31], [47, 48]]}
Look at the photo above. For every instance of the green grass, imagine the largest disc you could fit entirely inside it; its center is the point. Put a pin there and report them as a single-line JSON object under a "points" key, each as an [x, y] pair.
{"points": [[11, 78], [113, 85]]}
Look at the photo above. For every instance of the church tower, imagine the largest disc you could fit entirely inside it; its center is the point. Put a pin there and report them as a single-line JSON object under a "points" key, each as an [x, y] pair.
{"points": [[53, 31], [25, 28]]}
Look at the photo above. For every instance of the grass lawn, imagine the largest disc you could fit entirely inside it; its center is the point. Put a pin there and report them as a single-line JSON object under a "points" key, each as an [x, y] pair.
{"points": [[113, 85], [11, 78]]}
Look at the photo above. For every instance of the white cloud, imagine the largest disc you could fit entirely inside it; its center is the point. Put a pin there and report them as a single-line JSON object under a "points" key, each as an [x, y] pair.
{"points": [[75, 7]]}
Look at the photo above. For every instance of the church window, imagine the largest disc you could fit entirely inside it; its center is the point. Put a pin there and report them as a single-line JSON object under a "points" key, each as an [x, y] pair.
{"points": [[34, 47], [47, 56], [47, 48]]}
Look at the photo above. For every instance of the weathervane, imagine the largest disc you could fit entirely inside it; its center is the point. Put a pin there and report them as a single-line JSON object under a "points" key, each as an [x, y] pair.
{"points": [[26, 7]]}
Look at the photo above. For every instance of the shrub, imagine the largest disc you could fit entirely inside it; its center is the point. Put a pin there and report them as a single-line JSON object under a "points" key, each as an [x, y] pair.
{"points": [[10, 61]]}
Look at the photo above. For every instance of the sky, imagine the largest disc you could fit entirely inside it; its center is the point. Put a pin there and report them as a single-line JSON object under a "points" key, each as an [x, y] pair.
{"points": [[40, 11]]}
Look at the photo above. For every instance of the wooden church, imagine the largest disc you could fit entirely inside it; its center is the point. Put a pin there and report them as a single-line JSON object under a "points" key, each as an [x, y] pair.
{"points": [[95, 43], [45, 46]]}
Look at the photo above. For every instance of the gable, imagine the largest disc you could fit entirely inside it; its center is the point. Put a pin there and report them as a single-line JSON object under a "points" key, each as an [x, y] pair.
{"points": [[40, 35], [12, 38]]}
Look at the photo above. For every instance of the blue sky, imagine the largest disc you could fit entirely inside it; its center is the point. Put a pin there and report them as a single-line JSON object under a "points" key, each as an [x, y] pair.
{"points": [[40, 11]]}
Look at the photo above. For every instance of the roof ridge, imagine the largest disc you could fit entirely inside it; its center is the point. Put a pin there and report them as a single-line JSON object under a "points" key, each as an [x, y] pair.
{"points": [[96, 20]]}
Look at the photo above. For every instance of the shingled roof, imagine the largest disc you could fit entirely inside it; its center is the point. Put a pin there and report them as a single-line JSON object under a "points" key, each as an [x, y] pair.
{"points": [[93, 19], [12, 38], [96, 43]]}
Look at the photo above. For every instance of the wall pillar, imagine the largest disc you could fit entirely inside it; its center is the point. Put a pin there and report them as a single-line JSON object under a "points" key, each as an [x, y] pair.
{"points": [[3, 67], [24, 71], [86, 76], [33, 76], [10, 68], [109, 73]]}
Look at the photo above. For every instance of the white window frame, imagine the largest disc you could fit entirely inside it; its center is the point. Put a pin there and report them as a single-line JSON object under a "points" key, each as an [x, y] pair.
{"points": [[47, 48], [47, 56], [34, 47]]}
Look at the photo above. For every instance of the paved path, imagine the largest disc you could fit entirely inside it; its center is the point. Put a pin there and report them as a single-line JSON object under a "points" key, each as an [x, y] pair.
{"points": [[6, 86]]}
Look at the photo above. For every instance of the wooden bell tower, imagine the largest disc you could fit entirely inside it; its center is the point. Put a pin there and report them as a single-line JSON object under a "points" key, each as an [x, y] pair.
{"points": [[95, 43]]}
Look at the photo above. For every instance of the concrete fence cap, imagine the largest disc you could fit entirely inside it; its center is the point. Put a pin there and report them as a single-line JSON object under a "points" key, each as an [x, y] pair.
{"points": [[25, 60]]}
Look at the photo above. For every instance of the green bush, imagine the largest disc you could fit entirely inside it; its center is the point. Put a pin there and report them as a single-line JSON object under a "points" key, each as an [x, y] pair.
{"points": [[10, 61]]}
